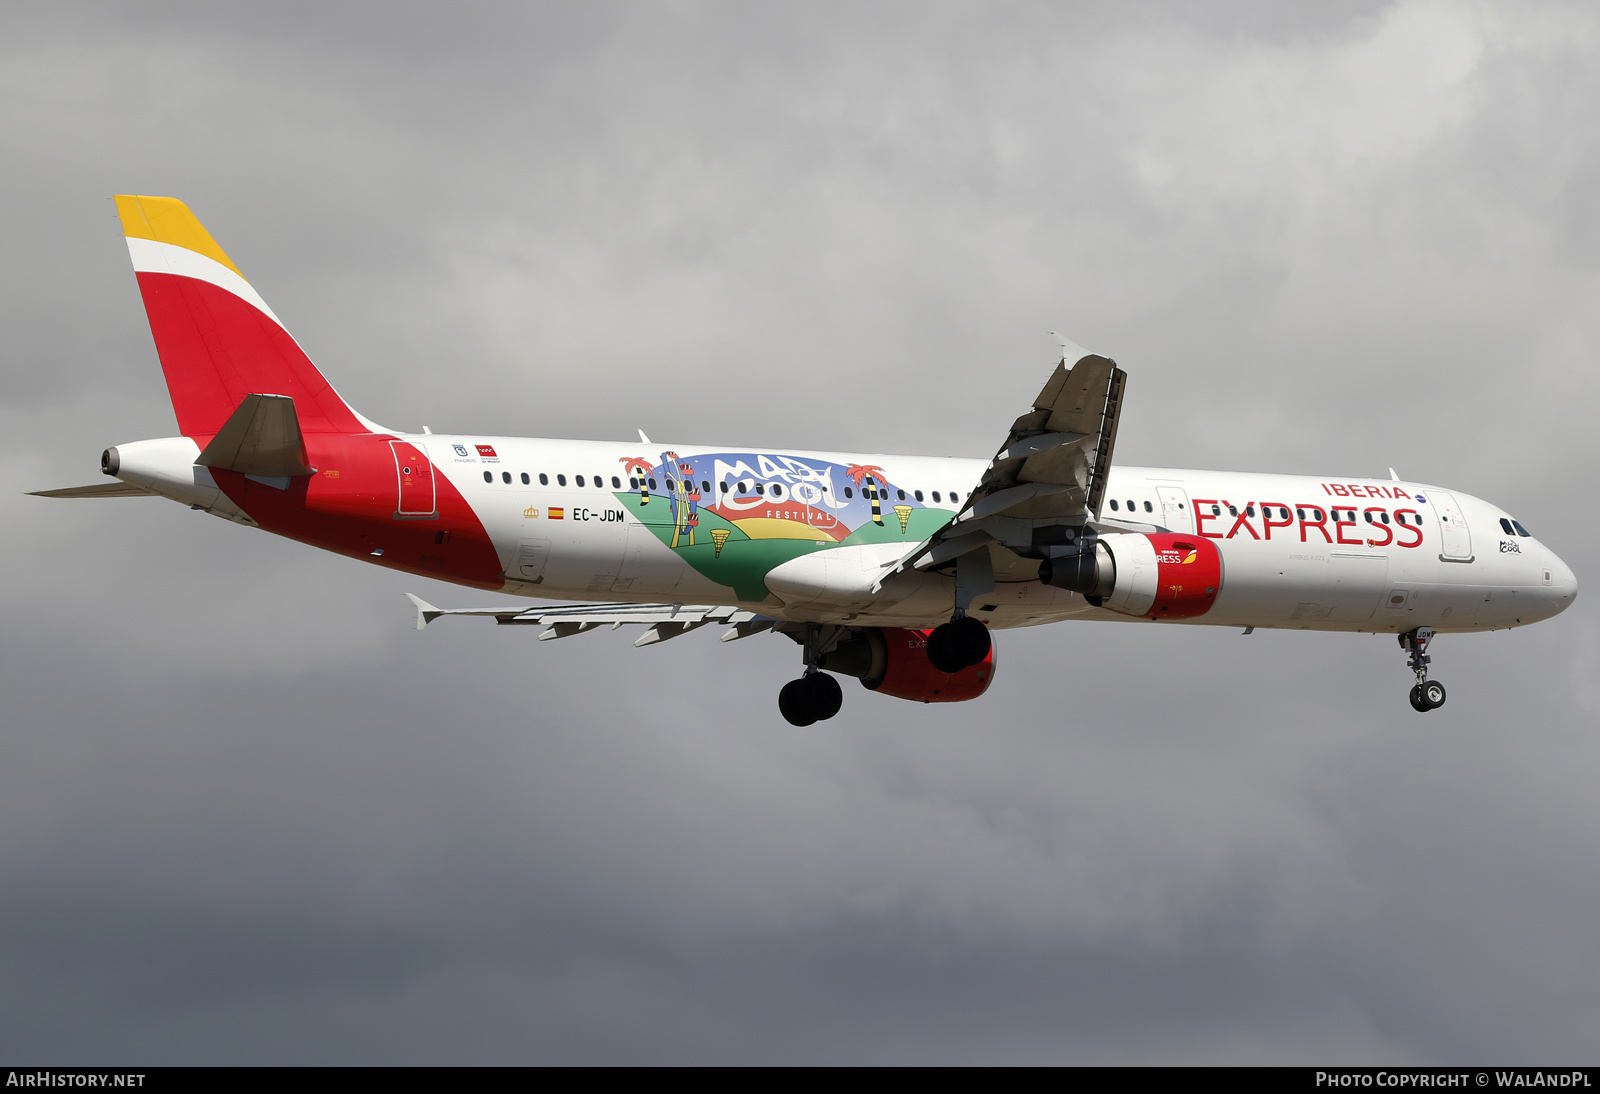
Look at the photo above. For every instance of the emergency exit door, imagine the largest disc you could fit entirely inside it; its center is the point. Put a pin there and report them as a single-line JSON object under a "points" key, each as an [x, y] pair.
{"points": [[1455, 538], [418, 498], [1176, 514]]}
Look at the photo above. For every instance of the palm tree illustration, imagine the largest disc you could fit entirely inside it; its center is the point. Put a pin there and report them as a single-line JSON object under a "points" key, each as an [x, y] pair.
{"points": [[633, 465], [873, 475]]}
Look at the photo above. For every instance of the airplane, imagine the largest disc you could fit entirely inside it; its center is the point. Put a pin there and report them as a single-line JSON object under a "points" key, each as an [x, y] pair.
{"points": [[890, 569]]}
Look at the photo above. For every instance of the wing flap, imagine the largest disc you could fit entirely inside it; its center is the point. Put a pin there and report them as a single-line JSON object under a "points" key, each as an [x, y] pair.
{"points": [[1049, 476], [570, 619]]}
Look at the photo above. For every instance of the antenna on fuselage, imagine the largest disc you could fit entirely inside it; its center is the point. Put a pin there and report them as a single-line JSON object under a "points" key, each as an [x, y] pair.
{"points": [[1393, 476], [642, 438]]}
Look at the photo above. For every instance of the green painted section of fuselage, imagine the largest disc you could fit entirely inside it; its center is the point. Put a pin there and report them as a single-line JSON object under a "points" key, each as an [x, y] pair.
{"points": [[743, 563]]}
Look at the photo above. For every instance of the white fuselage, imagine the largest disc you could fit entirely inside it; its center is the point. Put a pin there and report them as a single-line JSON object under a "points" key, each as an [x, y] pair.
{"points": [[1298, 552]]}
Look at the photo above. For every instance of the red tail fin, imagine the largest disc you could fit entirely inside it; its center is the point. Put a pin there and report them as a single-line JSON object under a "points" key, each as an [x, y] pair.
{"points": [[217, 339]]}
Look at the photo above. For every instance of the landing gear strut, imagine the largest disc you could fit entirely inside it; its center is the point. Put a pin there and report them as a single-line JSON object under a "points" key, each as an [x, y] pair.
{"points": [[1427, 694], [958, 644], [816, 696]]}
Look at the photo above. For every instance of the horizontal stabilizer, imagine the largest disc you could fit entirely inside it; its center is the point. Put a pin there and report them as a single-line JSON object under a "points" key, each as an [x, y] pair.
{"points": [[98, 490], [262, 438]]}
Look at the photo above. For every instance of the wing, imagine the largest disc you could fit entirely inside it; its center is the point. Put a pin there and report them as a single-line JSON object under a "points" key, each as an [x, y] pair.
{"points": [[664, 620], [1047, 481]]}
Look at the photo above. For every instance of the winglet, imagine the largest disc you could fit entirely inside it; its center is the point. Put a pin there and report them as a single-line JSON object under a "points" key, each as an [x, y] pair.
{"points": [[426, 613], [1071, 352]]}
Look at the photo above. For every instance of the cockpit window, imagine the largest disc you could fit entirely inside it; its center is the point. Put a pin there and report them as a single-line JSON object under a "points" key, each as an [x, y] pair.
{"points": [[1521, 531], [1505, 526]]}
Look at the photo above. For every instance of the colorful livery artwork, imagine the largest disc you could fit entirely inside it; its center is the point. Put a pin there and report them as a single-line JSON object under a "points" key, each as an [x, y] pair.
{"points": [[734, 516]]}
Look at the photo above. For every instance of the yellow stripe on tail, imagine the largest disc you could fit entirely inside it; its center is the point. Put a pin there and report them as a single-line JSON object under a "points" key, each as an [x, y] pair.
{"points": [[168, 220]]}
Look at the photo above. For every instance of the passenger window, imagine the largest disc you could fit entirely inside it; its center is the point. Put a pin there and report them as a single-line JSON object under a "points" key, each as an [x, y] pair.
{"points": [[902, 494], [936, 495], [1148, 509], [1232, 512], [849, 493], [505, 476], [525, 480], [954, 496], [544, 480], [578, 479], [777, 490], [669, 484], [760, 489], [616, 483], [1114, 505], [1216, 510], [1521, 531], [652, 482], [1249, 510], [724, 487], [1506, 524], [1300, 514], [705, 487], [488, 476], [1130, 507], [917, 494], [633, 483], [561, 480], [741, 488]]}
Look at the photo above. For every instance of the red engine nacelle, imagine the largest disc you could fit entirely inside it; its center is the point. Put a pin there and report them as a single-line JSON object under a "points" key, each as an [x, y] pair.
{"points": [[1188, 575], [894, 662], [1161, 575]]}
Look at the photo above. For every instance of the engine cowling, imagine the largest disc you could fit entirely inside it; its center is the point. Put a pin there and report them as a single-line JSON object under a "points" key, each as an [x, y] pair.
{"points": [[894, 661], [1158, 575]]}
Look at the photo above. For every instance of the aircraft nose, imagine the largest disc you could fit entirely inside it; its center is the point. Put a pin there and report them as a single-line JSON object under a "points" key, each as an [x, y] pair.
{"points": [[1563, 584]]}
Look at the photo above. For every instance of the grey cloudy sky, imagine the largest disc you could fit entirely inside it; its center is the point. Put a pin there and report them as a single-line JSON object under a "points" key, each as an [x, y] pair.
{"points": [[248, 815]]}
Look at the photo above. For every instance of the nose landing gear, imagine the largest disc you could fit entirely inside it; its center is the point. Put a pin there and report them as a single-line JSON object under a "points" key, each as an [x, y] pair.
{"points": [[816, 696], [1427, 694]]}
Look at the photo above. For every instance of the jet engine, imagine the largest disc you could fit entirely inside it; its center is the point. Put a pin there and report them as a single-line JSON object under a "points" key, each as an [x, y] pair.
{"points": [[1161, 575], [893, 661]]}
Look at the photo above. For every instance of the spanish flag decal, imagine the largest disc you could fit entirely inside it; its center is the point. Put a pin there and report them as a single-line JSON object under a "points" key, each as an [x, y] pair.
{"points": [[557, 513]]}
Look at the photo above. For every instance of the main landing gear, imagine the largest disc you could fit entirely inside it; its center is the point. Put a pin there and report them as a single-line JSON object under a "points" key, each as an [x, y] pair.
{"points": [[958, 644], [816, 696], [1427, 694]]}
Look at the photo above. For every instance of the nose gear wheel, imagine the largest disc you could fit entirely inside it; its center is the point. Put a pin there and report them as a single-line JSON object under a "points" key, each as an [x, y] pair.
{"points": [[1427, 694]]}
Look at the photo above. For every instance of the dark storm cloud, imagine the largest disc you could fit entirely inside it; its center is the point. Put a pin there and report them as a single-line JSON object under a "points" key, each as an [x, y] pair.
{"points": [[250, 815]]}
